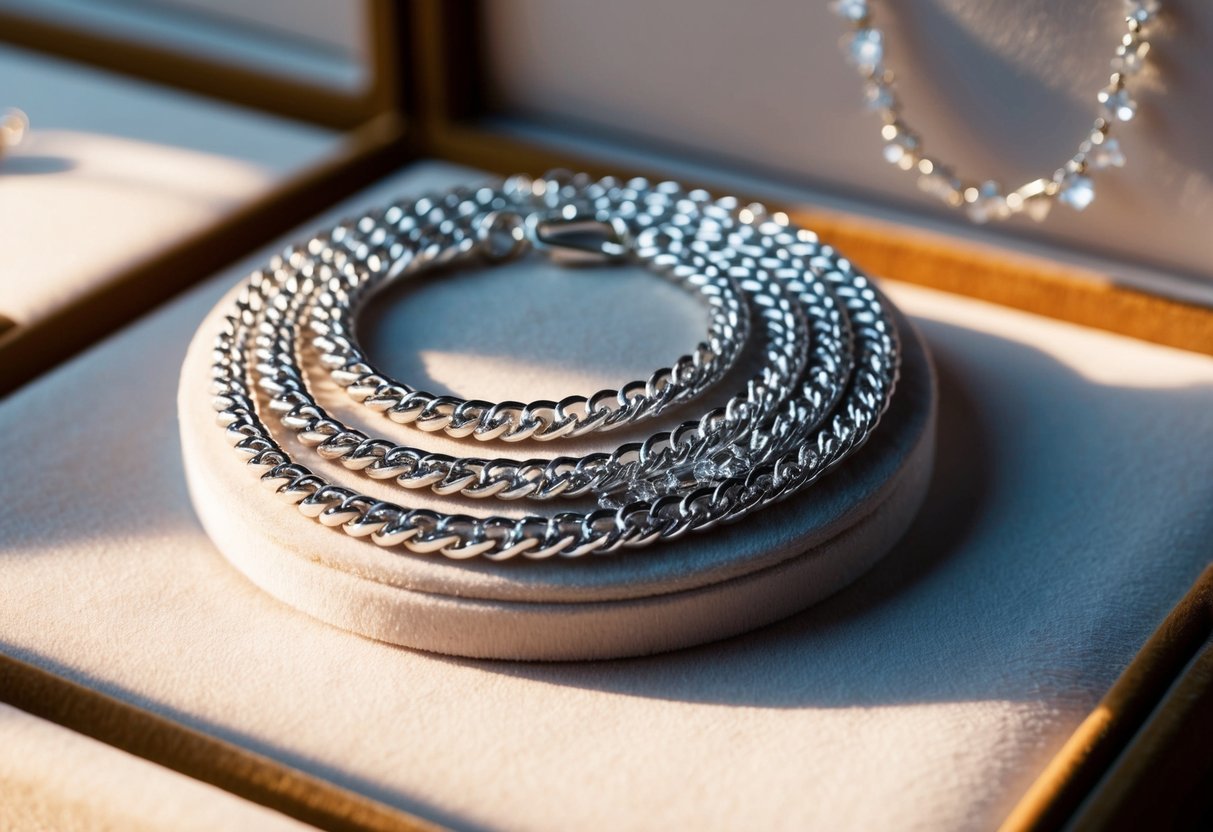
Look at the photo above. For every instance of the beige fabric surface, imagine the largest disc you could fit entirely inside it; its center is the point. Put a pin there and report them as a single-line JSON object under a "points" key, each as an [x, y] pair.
{"points": [[114, 171], [55, 779], [1070, 510]]}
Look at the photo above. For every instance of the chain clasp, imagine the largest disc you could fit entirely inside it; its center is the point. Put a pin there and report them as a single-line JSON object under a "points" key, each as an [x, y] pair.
{"points": [[572, 241], [567, 240]]}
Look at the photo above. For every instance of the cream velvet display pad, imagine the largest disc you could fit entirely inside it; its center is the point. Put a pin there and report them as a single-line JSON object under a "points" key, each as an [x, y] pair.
{"points": [[594, 328], [1069, 510]]}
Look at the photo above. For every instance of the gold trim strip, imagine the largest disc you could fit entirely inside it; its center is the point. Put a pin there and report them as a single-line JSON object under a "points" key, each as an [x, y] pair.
{"points": [[159, 740], [264, 91], [1108, 770]]}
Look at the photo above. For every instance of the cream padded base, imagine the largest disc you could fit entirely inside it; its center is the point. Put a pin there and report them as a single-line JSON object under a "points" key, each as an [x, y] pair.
{"points": [[698, 589]]}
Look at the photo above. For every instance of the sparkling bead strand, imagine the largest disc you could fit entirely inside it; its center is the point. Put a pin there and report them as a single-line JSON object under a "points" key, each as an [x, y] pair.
{"points": [[14, 124], [1070, 184]]}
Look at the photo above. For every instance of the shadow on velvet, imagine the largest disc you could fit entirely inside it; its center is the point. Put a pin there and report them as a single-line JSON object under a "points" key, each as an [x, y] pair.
{"points": [[29, 165], [1009, 585]]}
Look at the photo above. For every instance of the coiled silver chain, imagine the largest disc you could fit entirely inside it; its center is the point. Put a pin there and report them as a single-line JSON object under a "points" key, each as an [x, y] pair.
{"points": [[830, 364], [573, 416]]}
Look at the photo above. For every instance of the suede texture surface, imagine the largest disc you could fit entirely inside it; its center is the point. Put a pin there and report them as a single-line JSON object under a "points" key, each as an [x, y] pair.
{"points": [[1070, 508]]}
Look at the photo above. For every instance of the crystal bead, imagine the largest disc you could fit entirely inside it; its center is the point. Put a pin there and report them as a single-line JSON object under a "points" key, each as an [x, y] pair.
{"points": [[13, 126], [671, 483], [1131, 55], [706, 470], [878, 96], [1038, 207], [865, 49], [641, 490], [1143, 11], [733, 461], [1077, 191], [809, 458], [854, 10], [900, 150], [612, 501], [990, 204], [728, 462], [634, 492], [1118, 103], [940, 184], [1106, 154]]}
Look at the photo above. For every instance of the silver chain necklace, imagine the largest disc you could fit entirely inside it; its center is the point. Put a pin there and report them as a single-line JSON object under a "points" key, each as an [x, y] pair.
{"points": [[829, 344], [1070, 184]]}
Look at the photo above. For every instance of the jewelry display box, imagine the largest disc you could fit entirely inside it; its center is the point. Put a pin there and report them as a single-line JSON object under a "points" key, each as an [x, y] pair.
{"points": [[1032, 652]]}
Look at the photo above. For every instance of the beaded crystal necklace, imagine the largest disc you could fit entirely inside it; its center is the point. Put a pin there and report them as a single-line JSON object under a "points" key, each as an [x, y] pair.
{"points": [[1070, 184]]}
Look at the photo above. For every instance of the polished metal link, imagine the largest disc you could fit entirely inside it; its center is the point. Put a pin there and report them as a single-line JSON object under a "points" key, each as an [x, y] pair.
{"points": [[830, 347], [563, 476], [573, 416]]}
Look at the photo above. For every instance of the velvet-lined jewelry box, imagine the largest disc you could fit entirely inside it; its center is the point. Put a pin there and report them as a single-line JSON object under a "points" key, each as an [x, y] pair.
{"points": [[1068, 514]]}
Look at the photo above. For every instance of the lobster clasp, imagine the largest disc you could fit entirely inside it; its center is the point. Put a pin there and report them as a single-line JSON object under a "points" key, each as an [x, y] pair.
{"points": [[574, 241]]}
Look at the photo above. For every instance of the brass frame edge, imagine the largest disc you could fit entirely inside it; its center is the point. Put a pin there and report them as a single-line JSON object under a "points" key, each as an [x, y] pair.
{"points": [[1107, 775], [172, 745], [246, 87]]}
